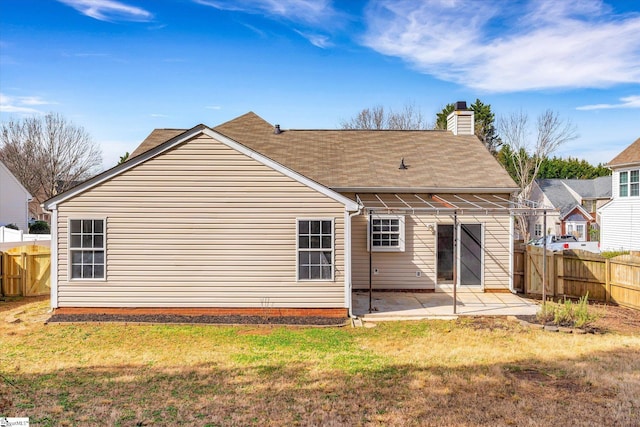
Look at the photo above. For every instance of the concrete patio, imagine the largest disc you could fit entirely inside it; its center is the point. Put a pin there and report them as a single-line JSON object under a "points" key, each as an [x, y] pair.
{"points": [[415, 306]]}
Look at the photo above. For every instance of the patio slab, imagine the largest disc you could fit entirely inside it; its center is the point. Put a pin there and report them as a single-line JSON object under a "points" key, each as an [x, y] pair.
{"points": [[414, 306]]}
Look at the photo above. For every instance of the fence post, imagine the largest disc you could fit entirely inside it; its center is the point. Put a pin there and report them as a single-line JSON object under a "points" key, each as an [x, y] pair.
{"points": [[607, 278], [23, 274], [2, 269]]}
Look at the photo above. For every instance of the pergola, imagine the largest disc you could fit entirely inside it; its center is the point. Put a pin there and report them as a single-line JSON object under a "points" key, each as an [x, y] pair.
{"points": [[453, 205]]}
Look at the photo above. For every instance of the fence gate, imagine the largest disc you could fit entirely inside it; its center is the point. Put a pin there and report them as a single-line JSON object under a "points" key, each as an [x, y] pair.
{"points": [[25, 271]]}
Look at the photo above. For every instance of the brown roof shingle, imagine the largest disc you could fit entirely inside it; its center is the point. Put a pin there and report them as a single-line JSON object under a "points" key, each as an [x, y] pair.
{"points": [[631, 154], [351, 159]]}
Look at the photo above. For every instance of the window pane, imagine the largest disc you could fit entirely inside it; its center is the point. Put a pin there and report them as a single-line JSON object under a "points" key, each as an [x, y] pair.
{"points": [[87, 226], [634, 176], [98, 241], [87, 241], [624, 190], [315, 272], [98, 257], [303, 272], [87, 272], [326, 258], [634, 190], [326, 242], [314, 257], [76, 257], [75, 241], [76, 271], [315, 241], [98, 271], [75, 226], [326, 272], [97, 226], [303, 257], [87, 257], [326, 227], [623, 177], [303, 242], [303, 227], [315, 227]]}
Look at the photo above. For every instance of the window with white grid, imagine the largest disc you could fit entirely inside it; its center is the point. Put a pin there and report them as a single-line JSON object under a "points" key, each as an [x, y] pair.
{"points": [[315, 249], [87, 248], [387, 233]]}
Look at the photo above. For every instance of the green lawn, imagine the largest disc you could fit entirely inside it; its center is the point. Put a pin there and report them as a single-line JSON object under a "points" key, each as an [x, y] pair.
{"points": [[465, 372]]}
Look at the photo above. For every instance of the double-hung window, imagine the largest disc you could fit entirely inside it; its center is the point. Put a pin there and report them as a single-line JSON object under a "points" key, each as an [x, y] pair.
{"points": [[315, 249], [630, 183], [87, 248], [386, 233], [538, 230]]}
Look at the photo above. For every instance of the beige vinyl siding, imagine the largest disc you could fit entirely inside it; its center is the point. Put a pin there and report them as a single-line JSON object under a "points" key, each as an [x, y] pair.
{"points": [[201, 225], [397, 270]]}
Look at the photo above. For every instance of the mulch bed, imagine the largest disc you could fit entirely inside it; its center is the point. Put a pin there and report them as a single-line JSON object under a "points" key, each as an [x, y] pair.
{"points": [[221, 320]]}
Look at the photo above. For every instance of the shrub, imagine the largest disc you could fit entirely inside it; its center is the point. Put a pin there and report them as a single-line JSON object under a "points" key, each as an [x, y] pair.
{"points": [[12, 226], [39, 227], [567, 313], [613, 254]]}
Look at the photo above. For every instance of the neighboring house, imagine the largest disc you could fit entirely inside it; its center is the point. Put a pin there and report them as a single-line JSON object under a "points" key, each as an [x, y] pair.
{"points": [[573, 204], [247, 217], [14, 200], [620, 218]]}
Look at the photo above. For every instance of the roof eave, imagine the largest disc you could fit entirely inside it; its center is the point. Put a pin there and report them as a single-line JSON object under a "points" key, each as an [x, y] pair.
{"points": [[623, 165], [427, 190]]}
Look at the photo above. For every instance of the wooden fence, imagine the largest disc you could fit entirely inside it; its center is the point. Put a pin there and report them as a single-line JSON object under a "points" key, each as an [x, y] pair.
{"points": [[574, 273], [25, 271]]}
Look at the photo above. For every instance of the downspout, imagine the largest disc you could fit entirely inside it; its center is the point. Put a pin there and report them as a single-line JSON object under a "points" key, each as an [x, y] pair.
{"points": [[348, 285], [511, 249], [54, 257]]}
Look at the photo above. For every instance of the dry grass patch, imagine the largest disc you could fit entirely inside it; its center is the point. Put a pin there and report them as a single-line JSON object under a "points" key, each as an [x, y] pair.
{"points": [[467, 372]]}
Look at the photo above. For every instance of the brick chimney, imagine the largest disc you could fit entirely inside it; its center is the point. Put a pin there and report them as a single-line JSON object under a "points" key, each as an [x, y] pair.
{"points": [[460, 121]]}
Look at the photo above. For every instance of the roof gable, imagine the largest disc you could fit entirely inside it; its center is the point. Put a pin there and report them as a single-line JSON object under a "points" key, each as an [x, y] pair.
{"points": [[13, 178], [629, 155], [182, 137]]}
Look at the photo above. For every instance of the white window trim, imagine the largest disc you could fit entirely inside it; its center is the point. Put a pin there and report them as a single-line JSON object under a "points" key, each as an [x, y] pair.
{"points": [[333, 249], [71, 249], [401, 232], [628, 183], [537, 226]]}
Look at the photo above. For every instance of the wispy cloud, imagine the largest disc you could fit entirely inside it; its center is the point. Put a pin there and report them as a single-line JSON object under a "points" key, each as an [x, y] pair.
{"points": [[109, 10], [22, 104], [308, 11], [316, 14], [317, 40], [505, 46], [626, 102]]}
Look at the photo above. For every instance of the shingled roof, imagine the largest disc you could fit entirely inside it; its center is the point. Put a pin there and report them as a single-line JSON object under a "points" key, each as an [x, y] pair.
{"points": [[629, 155], [347, 160]]}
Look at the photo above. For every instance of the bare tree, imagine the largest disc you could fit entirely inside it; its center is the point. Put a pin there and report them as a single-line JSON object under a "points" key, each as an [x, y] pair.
{"points": [[377, 118], [526, 153], [48, 154]]}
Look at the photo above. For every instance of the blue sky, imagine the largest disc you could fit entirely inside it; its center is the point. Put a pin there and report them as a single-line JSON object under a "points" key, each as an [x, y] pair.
{"points": [[121, 68]]}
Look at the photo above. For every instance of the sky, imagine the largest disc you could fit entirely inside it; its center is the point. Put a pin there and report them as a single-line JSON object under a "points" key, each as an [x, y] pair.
{"points": [[121, 68]]}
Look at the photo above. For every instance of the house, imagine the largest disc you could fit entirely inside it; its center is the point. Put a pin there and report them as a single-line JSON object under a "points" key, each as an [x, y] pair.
{"points": [[620, 218], [247, 216], [573, 204], [14, 200]]}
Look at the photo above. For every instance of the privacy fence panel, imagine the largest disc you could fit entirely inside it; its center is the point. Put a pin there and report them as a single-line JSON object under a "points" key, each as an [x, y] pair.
{"points": [[575, 273], [25, 271]]}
